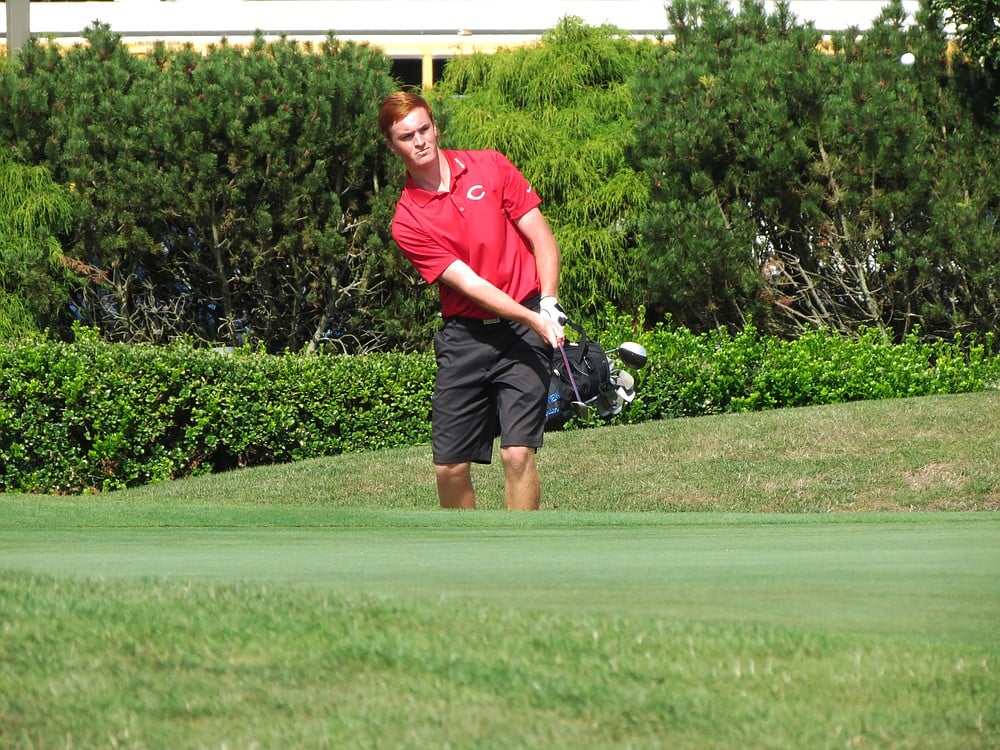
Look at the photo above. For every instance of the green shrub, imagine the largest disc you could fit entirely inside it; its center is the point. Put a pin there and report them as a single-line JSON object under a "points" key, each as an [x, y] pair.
{"points": [[716, 372], [91, 416]]}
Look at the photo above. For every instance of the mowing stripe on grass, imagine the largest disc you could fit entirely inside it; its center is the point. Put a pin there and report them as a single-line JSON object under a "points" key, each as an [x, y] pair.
{"points": [[932, 579]]}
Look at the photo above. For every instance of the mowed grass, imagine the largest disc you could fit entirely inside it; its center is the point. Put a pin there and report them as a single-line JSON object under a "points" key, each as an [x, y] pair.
{"points": [[704, 583]]}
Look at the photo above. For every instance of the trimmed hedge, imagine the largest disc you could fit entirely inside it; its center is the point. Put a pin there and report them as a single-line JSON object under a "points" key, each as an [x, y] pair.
{"points": [[718, 372], [91, 416]]}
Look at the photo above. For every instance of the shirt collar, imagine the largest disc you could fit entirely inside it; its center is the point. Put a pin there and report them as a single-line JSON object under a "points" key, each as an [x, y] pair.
{"points": [[422, 197]]}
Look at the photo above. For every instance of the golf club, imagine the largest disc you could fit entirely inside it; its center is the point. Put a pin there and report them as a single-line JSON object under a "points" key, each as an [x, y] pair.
{"points": [[580, 409], [632, 354]]}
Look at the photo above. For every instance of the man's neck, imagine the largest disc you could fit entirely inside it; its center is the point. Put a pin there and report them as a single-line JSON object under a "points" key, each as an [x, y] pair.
{"points": [[435, 177]]}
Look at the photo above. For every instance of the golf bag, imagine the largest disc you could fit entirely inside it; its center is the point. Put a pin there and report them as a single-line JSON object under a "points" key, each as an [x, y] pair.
{"points": [[591, 373], [583, 375]]}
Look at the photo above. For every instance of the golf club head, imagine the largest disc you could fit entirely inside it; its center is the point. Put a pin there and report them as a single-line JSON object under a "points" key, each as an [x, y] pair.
{"points": [[580, 409], [624, 386], [609, 403], [633, 354]]}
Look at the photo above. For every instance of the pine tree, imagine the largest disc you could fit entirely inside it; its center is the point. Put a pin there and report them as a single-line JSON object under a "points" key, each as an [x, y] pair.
{"points": [[805, 184], [232, 196]]}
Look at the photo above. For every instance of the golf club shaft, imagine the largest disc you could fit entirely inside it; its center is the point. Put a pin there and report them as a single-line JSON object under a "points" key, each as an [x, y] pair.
{"points": [[569, 372]]}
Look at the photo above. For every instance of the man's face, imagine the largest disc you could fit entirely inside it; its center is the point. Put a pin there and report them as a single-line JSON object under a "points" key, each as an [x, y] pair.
{"points": [[414, 138]]}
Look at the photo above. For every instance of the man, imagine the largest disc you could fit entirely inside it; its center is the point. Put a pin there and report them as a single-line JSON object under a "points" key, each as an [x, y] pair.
{"points": [[469, 222]]}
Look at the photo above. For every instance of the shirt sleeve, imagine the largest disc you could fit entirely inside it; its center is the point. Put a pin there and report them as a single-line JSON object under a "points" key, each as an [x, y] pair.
{"points": [[426, 254], [519, 196]]}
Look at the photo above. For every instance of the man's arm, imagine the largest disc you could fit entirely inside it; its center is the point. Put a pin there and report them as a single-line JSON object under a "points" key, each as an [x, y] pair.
{"points": [[543, 244], [462, 278]]}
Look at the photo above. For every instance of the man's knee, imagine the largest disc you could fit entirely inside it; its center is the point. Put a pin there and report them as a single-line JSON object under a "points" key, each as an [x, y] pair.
{"points": [[452, 472], [454, 485], [518, 458]]}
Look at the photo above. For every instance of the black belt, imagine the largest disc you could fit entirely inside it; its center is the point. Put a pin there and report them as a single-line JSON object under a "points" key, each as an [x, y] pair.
{"points": [[472, 321], [531, 302]]}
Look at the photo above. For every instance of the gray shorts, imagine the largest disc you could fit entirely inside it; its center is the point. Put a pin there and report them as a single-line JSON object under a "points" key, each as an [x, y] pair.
{"points": [[492, 379]]}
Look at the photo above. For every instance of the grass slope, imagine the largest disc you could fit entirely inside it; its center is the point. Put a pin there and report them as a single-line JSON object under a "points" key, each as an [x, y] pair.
{"points": [[936, 453], [327, 605]]}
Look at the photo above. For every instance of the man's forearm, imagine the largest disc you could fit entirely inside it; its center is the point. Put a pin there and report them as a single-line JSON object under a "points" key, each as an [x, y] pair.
{"points": [[543, 244]]}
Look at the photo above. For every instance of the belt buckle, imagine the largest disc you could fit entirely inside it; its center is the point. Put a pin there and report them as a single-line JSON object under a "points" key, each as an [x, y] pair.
{"points": [[491, 321]]}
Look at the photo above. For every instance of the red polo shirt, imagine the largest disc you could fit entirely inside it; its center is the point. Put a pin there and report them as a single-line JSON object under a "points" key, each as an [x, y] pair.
{"points": [[473, 222]]}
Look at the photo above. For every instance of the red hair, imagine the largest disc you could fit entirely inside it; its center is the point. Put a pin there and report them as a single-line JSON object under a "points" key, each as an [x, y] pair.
{"points": [[397, 106]]}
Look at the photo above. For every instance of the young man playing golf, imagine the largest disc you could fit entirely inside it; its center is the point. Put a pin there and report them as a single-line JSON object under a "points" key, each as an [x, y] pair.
{"points": [[469, 222]]}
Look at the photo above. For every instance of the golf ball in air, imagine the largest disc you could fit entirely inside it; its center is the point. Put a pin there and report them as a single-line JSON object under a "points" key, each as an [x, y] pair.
{"points": [[907, 59]]}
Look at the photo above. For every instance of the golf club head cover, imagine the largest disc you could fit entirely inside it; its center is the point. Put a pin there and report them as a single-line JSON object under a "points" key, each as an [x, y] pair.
{"points": [[551, 308]]}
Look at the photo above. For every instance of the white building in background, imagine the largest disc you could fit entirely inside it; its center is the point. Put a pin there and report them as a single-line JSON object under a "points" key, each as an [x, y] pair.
{"points": [[424, 32]]}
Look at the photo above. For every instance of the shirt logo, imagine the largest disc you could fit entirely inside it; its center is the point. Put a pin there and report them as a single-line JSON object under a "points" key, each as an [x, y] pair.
{"points": [[476, 193]]}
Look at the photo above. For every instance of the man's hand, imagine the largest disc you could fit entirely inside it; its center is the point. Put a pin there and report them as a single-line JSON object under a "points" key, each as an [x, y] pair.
{"points": [[550, 331], [552, 309], [552, 317]]}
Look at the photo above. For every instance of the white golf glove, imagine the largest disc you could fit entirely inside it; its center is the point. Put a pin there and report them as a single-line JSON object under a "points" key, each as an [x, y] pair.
{"points": [[550, 308]]}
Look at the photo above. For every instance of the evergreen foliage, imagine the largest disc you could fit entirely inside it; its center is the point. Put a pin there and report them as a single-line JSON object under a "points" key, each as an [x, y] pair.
{"points": [[89, 416], [976, 66], [977, 24], [233, 196], [749, 170], [799, 188], [34, 279], [561, 111]]}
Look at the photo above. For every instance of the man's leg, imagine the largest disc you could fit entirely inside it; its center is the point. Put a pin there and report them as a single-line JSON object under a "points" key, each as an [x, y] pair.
{"points": [[522, 485], [454, 485]]}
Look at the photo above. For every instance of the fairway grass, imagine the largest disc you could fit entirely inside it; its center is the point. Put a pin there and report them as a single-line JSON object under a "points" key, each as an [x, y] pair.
{"points": [[846, 574], [287, 608], [407, 629]]}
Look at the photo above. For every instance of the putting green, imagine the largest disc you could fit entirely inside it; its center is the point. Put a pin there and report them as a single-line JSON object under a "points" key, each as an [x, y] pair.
{"points": [[933, 577]]}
